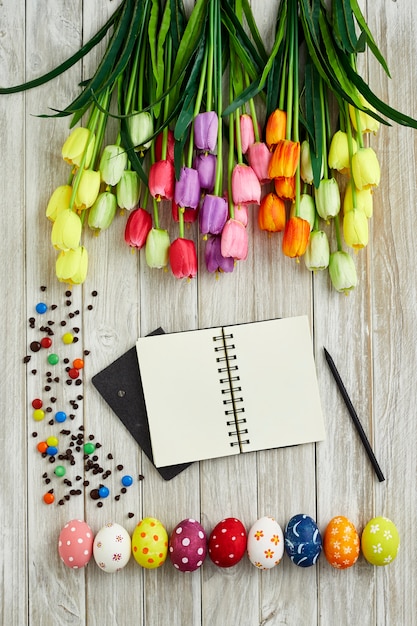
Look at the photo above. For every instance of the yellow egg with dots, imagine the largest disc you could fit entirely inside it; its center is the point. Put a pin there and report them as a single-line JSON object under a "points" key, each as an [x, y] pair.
{"points": [[150, 543], [380, 541]]}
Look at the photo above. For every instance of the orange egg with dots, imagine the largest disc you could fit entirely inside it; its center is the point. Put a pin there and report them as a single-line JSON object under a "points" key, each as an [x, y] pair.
{"points": [[150, 543]]}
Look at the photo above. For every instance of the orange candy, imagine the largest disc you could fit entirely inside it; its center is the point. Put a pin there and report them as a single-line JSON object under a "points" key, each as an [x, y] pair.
{"points": [[341, 543], [78, 364], [42, 446], [48, 498]]}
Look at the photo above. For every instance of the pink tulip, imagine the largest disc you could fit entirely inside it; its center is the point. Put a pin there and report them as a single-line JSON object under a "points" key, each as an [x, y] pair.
{"points": [[241, 214], [137, 228], [213, 215], [247, 133], [205, 131], [162, 180], [246, 188], [187, 188], [214, 259], [259, 158], [234, 242], [183, 258]]}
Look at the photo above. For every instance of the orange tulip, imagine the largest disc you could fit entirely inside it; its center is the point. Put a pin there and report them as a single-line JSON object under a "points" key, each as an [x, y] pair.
{"points": [[276, 128], [296, 236], [271, 216], [285, 159], [285, 187]]}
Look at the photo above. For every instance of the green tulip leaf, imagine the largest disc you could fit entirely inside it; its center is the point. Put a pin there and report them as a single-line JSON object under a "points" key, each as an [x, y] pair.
{"points": [[344, 25], [369, 38]]}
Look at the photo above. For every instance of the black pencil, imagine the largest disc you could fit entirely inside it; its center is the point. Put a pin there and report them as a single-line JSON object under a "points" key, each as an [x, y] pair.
{"points": [[354, 416]]}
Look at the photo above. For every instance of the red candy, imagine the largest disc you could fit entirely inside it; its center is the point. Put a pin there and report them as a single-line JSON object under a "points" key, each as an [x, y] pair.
{"points": [[227, 542], [73, 373], [46, 342], [37, 403]]}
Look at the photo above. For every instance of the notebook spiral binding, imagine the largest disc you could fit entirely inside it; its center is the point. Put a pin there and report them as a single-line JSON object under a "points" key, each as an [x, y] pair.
{"points": [[234, 391]]}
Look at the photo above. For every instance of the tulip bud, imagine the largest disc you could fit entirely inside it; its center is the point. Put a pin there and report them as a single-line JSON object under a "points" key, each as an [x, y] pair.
{"points": [[247, 133], [214, 259], [364, 200], [327, 198], [170, 146], [112, 164], [183, 258], [80, 141], [128, 190], [259, 158], [285, 187], [355, 229], [234, 240], [246, 188], [368, 124], [205, 164], [213, 215], [339, 152], [276, 128], [205, 131], [161, 180], [271, 215], [366, 172], [285, 159], [140, 128], [66, 231], [241, 214], [306, 169], [138, 225], [306, 209], [59, 201], [187, 188], [87, 190], [157, 247], [188, 215], [317, 253], [102, 213], [71, 266], [296, 236], [342, 271]]}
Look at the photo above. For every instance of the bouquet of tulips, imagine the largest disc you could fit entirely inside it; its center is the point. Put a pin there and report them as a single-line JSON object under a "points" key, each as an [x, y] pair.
{"points": [[185, 94]]}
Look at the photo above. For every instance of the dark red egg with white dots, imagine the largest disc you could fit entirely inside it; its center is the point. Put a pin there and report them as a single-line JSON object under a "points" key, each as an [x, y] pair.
{"points": [[187, 546], [227, 542]]}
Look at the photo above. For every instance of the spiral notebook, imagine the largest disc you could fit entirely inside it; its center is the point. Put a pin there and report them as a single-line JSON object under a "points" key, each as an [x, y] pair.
{"points": [[229, 390]]}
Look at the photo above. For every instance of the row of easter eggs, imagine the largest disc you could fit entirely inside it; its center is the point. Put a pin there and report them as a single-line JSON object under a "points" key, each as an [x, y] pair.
{"points": [[265, 543]]}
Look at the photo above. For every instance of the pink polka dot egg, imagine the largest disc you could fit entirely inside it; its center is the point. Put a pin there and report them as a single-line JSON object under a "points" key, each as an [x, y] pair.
{"points": [[75, 544], [188, 545]]}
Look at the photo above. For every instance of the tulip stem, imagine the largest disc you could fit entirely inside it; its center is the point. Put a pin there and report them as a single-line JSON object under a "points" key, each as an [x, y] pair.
{"points": [[324, 126], [338, 234], [231, 157], [218, 69], [350, 150], [296, 103], [290, 76], [155, 213]]}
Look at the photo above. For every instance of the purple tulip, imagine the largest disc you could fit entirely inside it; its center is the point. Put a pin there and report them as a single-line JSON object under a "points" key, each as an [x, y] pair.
{"points": [[205, 131], [213, 215], [214, 259], [187, 188], [205, 164]]}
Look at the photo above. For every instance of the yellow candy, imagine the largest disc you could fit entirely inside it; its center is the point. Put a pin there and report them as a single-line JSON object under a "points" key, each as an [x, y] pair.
{"points": [[150, 543], [67, 338], [38, 415], [52, 441]]}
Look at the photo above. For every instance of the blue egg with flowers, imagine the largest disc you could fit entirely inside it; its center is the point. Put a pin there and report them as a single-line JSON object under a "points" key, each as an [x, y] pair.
{"points": [[303, 542]]}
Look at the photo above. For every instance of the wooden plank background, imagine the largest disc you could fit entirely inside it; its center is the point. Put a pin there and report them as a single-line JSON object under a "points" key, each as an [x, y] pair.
{"points": [[371, 334]]}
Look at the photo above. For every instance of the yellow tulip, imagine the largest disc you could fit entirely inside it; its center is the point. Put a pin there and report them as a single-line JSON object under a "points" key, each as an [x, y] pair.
{"points": [[71, 266], [112, 164], [79, 141], [317, 253], [327, 197], [59, 201], [87, 190], [339, 152], [355, 229], [342, 271], [364, 200], [366, 172], [368, 124], [66, 231]]}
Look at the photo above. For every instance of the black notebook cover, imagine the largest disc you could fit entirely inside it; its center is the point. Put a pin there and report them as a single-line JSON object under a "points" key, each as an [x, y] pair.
{"points": [[121, 387]]}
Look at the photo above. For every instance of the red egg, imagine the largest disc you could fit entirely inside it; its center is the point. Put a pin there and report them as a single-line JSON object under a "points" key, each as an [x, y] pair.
{"points": [[227, 542], [187, 546]]}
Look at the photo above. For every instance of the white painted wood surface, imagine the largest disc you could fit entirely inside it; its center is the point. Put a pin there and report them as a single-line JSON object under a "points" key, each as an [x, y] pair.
{"points": [[371, 334]]}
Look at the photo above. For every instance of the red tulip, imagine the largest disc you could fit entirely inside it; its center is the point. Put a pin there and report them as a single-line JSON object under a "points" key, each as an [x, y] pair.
{"points": [[259, 158], [285, 159], [183, 258], [272, 216], [296, 236], [234, 242], [138, 225], [246, 188], [161, 180], [189, 215], [170, 146], [214, 259]]}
